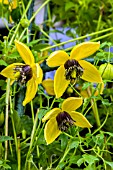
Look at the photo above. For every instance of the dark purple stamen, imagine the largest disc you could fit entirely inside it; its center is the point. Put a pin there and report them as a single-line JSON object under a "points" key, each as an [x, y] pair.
{"points": [[25, 73], [70, 66], [64, 120]]}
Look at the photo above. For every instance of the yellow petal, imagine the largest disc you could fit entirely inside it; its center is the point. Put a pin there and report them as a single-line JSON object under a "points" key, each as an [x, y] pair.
{"points": [[80, 120], [52, 113], [13, 3], [48, 84], [60, 82], [84, 50], [57, 58], [37, 72], [39, 79], [25, 53], [90, 72], [32, 87], [51, 131], [71, 104], [9, 70]]}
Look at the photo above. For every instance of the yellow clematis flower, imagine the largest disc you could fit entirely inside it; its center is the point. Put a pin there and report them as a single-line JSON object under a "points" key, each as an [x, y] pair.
{"points": [[73, 67], [60, 119], [12, 4], [29, 73]]}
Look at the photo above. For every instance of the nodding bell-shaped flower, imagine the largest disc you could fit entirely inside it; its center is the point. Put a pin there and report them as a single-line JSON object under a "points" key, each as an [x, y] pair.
{"points": [[59, 120], [73, 67], [29, 73]]}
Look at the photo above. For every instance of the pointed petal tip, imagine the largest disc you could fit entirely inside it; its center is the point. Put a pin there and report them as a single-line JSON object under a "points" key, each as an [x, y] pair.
{"points": [[90, 74], [57, 58], [51, 131], [24, 52], [84, 50]]}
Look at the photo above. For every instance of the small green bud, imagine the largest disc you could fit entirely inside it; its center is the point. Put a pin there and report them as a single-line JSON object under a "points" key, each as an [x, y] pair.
{"points": [[25, 23], [1, 118], [24, 134], [106, 71]]}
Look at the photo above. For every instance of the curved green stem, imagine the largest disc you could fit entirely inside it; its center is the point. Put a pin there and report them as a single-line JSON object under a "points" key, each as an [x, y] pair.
{"points": [[7, 115], [32, 140], [38, 10], [16, 30], [94, 108], [79, 38], [32, 111]]}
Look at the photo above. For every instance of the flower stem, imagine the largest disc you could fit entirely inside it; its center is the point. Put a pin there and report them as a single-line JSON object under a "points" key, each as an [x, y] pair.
{"points": [[32, 140], [23, 15], [98, 24], [18, 153], [94, 108], [13, 125], [32, 111], [38, 10], [7, 115], [101, 125], [79, 38], [46, 35], [102, 37]]}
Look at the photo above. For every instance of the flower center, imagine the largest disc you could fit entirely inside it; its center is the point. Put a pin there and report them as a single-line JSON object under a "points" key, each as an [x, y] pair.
{"points": [[64, 120], [23, 73], [73, 70]]}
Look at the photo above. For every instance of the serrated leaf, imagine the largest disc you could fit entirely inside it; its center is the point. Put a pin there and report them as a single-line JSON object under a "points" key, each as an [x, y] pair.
{"points": [[90, 159], [80, 161], [106, 102], [42, 113], [74, 144]]}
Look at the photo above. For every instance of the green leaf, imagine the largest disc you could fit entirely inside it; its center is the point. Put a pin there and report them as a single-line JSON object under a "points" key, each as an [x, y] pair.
{"points": [[99, 139], [90, 167], [109, 163], [74, 159], [3, 63], [69, 5], [80, 161], [106, 102], [6, 166], [64, 141], [5, 138], [90, 159], [74, 144], [42, 113]]}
